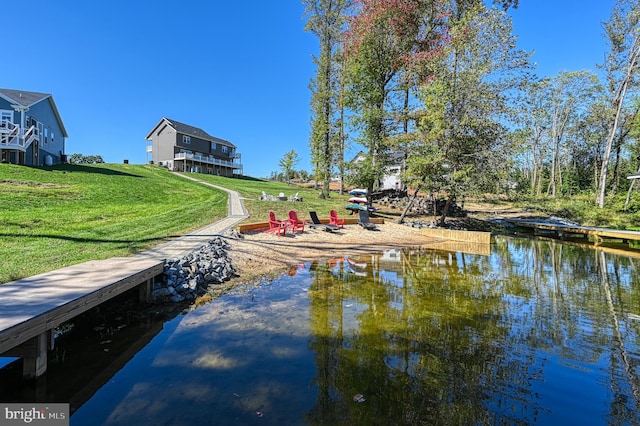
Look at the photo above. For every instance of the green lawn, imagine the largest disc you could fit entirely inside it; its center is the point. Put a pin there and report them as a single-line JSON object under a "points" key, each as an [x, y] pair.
{"points": [[57, 216], [251, 190], [62, 215]]}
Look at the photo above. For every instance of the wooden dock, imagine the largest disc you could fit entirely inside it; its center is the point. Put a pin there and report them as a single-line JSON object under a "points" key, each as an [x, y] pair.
{"points": [[32, 307], [563, 231]]}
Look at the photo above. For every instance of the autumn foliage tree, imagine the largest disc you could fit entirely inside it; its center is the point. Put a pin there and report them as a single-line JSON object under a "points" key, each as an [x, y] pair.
{"points": [[396, 55], [387, 44], [441, 55], [461, 143]]}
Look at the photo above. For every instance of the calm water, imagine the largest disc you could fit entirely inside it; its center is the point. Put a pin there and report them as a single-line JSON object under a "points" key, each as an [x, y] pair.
{"points": [[533, 332]]}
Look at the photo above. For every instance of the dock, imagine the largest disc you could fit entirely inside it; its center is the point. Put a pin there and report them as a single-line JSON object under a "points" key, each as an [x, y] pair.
{"points": [[31, 308], [562, 231]]}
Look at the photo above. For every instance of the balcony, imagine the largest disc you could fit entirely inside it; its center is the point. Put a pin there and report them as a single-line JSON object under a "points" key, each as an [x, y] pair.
{"points": [[12, 136], [207, 160]]}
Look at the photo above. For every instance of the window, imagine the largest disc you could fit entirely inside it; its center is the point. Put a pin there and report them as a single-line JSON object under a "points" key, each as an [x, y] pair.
{"points": [[46, 135], [186, 139], [214, 146], [5, 116], [225, 148]]}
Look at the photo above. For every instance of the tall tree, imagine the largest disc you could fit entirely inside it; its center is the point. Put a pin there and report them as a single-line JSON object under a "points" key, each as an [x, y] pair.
{"points": [[533, 116], [461, 135], [390, 45], [387, 41], [592, 132], [326, 19], [555, 118], [567, 98], [623, 37]]}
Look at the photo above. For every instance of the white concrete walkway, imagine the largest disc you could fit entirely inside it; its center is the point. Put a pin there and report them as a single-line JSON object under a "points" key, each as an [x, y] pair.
{"points": [[183, 245]]}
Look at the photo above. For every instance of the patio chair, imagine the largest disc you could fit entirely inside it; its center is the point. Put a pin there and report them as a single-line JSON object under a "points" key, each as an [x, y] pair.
{"points": [[335, 220], [365, 222], [295, 223], [316, 223], [275, 225]]}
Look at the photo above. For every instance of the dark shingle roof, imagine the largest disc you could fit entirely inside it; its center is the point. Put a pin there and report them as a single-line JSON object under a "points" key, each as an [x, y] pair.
{"points": [[20, 97], [197, 132], [27, 99]]}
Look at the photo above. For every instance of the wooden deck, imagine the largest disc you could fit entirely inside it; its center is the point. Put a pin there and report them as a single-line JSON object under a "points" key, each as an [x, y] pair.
{"points": [[32, 307], [563, 231]]}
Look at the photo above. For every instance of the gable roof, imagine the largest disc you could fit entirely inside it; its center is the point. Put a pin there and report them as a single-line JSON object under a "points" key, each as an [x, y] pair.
{"points": [[395, 157], [27, 99], [22, 98], [189, 130]]}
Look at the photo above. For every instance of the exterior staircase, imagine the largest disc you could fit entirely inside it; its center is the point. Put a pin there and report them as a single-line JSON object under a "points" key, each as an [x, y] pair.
{"points": [[12, 136]]}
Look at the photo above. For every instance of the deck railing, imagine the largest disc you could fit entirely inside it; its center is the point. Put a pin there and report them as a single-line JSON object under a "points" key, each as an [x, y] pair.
{"points": [[207, 160], [13, 136]]}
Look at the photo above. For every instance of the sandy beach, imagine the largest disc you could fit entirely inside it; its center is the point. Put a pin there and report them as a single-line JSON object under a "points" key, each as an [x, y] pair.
{"points": [[260, 254]]}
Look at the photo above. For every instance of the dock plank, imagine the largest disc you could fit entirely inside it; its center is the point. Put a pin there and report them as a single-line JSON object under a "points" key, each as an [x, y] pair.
{"points": [[33, 305]]}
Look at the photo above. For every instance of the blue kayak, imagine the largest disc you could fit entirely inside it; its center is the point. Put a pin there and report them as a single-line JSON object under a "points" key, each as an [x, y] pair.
{"points": [[358, 192]]}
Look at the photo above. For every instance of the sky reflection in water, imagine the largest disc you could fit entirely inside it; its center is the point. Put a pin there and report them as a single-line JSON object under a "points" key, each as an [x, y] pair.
{"points": [[532, 333]]}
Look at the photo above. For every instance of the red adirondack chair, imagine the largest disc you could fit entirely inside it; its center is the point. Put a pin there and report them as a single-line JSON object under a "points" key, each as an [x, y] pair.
{"points": [[335, 220], [275, 225], [295, 223]]}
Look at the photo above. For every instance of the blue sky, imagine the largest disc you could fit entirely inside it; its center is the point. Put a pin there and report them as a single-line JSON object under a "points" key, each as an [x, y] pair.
{"points": [[238, 70]]}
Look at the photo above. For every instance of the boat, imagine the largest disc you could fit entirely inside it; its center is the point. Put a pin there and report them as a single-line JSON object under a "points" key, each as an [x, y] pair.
{"points": [[358, 200], [358, 192], [355, 206]]}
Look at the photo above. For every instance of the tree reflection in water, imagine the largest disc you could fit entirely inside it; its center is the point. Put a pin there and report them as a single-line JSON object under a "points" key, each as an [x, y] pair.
{"points": [[535, 332], [521, 332]]}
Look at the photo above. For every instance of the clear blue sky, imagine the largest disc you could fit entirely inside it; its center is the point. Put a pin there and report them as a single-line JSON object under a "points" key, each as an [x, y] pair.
{"points": [[238, 70]]}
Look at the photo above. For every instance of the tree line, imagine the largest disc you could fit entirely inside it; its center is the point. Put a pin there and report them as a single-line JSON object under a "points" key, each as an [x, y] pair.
{"points": [[441, 87]]}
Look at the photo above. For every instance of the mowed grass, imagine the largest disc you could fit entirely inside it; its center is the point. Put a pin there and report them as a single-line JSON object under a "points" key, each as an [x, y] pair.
{"points": [[251, 190], [57, 216], [61, 215]]}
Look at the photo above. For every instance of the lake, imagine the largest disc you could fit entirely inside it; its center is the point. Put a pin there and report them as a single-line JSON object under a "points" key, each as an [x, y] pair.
{"points": [[524, 332]]}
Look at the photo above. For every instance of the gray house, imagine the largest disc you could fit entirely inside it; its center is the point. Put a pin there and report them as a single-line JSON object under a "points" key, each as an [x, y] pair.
{"points": [[31, 130], [181, 147]]}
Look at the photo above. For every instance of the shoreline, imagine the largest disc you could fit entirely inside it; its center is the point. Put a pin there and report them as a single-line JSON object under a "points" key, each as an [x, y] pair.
{"points": [[261, 255]]}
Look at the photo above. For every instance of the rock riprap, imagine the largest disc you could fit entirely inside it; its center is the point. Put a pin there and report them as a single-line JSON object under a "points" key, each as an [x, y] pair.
{"points": [[192, 275]]}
